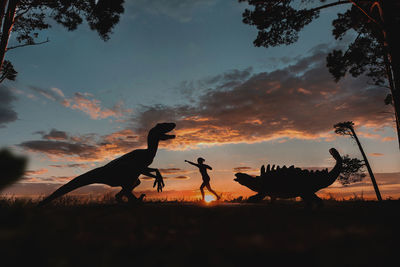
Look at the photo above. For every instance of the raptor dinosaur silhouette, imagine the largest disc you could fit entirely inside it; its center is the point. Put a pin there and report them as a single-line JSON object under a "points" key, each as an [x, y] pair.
{"points": [[291, 182], [125, 170]]}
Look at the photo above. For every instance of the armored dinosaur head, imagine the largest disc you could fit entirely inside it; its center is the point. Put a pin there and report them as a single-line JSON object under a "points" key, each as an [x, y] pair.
{"points": [[335, 154], [159, 131], [245, 179]]}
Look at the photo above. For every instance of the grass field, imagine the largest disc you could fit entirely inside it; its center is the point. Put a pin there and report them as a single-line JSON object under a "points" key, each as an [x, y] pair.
{"points": [[343, 233]]}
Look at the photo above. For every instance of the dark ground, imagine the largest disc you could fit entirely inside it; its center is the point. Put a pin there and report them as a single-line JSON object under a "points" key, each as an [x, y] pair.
{"points": [[343, 233]]}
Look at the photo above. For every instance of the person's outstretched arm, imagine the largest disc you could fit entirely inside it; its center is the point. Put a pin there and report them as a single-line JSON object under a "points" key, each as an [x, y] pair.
{"points": [[208, 167], [197, 165]]}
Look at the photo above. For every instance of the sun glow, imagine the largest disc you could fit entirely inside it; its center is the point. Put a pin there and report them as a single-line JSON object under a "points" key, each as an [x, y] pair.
{"points": [[209, 198]]}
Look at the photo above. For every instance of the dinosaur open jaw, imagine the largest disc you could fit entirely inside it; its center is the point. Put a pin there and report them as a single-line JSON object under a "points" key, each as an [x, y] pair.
{"points": [[167, 136], [165, 128], [238, 176]]}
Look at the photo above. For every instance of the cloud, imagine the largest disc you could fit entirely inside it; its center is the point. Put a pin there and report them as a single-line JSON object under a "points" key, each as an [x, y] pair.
{"points": [[53, 135], [180, 10], [83, 102], [171, 174], [179, 177], [174, 171], [7, 113], [36, 172], [299, 101], [59, 145], [242, 169], [49, 94], [376, 154], [73, 165], [93, 108]]}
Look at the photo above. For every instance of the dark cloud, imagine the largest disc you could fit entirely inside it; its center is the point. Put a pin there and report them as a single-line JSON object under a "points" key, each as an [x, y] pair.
{"points": [[222, 81], [54, 135], [73, 165], [90, 147], [7, 113], [172, 171], [299, 101], [242, 169]]}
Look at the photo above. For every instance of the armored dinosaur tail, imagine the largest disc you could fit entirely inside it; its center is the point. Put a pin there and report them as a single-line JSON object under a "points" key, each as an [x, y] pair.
{"points": [[82, 180]]}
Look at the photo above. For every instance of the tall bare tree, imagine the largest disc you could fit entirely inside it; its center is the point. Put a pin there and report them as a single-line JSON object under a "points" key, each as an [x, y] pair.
{"points": [[347, 128]]}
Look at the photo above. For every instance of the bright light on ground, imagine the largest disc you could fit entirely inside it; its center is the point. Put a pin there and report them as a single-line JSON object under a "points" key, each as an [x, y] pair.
{"points": [[209, 198]]}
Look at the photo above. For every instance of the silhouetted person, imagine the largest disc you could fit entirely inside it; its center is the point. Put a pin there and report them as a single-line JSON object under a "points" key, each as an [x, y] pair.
{"points": [[206, 179]]}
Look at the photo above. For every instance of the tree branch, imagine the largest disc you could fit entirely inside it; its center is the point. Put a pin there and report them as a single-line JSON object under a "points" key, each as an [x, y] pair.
{"points": [[28, 44], [331, 5], [365, 13]]}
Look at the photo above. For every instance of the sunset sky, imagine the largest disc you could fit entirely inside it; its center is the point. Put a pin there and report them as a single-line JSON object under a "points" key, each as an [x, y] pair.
{"points": [[80, 102]]}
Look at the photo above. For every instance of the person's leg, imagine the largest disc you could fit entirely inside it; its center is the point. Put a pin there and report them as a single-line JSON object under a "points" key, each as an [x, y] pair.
{"points": [[202, 190], [212, 191]]}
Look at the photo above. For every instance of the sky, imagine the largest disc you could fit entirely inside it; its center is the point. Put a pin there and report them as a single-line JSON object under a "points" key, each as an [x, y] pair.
{"points": [[79, 102]]}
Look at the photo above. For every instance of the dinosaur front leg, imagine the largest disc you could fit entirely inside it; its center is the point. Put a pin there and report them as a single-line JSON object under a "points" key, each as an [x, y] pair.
{"points": [[158, 178]]}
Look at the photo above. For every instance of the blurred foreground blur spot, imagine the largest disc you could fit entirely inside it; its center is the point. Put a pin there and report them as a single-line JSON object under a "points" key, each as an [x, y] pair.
{"points": [[12, 168]]}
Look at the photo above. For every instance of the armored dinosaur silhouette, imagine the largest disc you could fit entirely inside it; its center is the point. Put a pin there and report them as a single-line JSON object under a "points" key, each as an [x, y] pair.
{"points": [[291, 182], [125, 170]]}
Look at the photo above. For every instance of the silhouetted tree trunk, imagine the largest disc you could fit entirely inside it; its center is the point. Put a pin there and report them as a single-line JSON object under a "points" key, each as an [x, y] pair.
{"points": [[391, 26], [347, 128], [371, 174], [7, 21]]}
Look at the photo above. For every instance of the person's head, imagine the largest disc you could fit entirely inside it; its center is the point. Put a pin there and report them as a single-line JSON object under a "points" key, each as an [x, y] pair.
{"points": [[200, 160]]}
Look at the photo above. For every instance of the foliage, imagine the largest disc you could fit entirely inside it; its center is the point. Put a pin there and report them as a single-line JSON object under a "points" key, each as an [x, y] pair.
{"points": [[32, 16], [352, 170], [280, 21], [344, 128], [8, 72], [12, 168]]}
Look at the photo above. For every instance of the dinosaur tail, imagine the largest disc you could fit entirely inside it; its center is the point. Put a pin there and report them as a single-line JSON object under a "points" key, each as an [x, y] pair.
{"points": [[82, 180]]}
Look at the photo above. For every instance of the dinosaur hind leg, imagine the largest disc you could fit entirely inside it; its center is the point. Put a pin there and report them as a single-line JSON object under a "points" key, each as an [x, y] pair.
{"points": [[127, 192]]}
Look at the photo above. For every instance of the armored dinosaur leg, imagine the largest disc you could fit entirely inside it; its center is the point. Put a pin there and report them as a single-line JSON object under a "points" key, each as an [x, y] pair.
{"points": [[309, 199], [256, 198], [318, 201]]}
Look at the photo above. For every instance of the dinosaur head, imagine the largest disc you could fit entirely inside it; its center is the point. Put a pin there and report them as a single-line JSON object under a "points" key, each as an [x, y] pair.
{"points": [[246, 180], [335, 154], [159, 131]]}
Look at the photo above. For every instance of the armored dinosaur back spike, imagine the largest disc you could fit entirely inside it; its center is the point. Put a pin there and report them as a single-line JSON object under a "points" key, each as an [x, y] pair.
{"points": [[262, 171], [273, 168], [291, 167], [278, 168], [284, 167], [268, 168]]}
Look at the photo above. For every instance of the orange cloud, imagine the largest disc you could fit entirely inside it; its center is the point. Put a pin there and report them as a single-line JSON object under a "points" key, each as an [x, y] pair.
{"points": [[262, 107], [83, 102], [93, 108], [36, 172]]}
